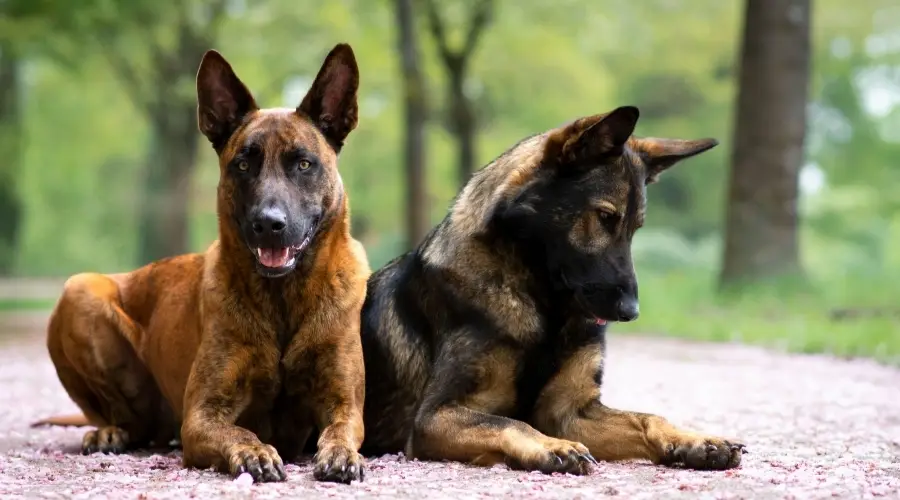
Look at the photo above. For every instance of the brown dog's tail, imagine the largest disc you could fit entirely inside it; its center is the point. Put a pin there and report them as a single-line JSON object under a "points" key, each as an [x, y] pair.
{"points": [[75, 420]]}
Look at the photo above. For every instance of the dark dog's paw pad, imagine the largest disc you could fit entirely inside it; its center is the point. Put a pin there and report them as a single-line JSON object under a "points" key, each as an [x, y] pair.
{"points": [[107, 439], [261, 461], [709, 454], [339, 464]]}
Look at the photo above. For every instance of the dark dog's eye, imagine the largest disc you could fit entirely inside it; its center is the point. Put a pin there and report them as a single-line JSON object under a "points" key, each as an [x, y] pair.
{"points": [[610, 220], [304, 164], [606, 215], [243, 166]]}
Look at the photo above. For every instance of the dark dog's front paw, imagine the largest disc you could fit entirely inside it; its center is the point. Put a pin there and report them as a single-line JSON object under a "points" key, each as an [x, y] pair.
{"points": [[107, 439], [261, 461], [339, 464], [706, 453], [555, 455]]}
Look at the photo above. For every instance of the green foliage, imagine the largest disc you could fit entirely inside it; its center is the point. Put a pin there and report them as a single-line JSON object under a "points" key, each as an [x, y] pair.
{"points": [[539, 65]]}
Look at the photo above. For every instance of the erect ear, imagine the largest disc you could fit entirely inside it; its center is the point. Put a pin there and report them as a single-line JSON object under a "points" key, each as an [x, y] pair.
{"points": [[661, 154], [222, 99], [331, 101], [593, 137]]}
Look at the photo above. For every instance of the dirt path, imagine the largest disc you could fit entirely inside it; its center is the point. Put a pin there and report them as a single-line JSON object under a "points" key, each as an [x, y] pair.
{"points": [[816, 427]]}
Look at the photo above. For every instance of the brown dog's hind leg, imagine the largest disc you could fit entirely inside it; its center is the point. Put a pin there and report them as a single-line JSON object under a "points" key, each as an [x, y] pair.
{"points": [[88, 343], [569, 407]]}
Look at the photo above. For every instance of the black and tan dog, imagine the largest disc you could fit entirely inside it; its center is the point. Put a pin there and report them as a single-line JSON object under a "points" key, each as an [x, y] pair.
{"points": [[485, 344], [245, 349]]}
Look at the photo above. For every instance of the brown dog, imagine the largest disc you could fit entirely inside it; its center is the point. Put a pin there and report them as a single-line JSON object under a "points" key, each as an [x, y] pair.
{"points": [[256, 340], [487, 342]]}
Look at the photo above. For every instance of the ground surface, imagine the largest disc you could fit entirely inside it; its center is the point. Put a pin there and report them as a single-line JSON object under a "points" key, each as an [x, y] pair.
{"points": [[815, 427]]}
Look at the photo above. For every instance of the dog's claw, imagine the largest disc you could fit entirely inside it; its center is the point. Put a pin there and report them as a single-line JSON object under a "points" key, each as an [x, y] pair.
{"points": [[590, 458], [711, 448], [260, 461], [338, 464]]}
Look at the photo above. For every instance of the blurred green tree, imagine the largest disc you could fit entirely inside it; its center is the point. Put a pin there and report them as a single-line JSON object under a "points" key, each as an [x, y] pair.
{"points": [[11, 151], [761, 232], [415, 104], [153, 48], [460, 113]]}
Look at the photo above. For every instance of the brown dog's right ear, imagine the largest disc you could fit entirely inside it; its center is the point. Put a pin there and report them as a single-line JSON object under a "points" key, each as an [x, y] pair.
{"points": [[222, 99], [592, 137]]}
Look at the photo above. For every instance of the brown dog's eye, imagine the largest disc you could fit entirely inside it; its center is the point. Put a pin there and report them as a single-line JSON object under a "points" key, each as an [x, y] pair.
{"points": [[304, 164], [243, 166]]}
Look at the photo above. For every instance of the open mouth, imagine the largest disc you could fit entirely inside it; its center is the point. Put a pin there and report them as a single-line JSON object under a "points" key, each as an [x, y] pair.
{"points": [[282, 258]]}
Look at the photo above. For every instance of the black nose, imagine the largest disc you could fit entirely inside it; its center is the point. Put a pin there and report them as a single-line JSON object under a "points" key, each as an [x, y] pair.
{"points": [[628, 309], [270, 220]]}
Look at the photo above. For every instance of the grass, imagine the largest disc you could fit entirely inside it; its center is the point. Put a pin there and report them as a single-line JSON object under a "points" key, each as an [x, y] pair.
{"points": [[782, 316], [20, 304]]}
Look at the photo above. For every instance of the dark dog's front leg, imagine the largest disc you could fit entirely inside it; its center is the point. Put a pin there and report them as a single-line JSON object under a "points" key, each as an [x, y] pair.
{"points": [[454, 432], [457, 422], [618, 435], [218, 391], [569, 407]]}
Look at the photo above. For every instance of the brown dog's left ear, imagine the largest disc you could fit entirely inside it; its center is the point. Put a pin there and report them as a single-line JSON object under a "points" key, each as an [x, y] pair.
{"points": [[593, 137], [661, 154], [331, 101]]}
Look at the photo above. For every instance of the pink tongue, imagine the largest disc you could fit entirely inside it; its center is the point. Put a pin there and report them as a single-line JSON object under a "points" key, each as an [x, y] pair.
{"points": [[273, 257]]}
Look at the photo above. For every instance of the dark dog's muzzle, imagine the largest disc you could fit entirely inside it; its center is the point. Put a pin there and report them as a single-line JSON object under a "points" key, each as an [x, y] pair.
{"points": [[627, 309]]}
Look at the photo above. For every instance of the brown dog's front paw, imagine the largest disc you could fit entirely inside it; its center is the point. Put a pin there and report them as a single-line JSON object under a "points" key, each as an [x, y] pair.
{"points": [[109, 439], [706, 453], [261, 461], [557, 455], [339, 464]]}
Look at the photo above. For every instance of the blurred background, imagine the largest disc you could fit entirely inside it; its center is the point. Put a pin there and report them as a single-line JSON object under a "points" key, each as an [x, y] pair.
{"points": [[787, 234]]}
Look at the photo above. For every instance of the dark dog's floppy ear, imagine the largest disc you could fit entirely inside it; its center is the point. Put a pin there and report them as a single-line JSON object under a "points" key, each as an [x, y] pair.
{"points": [[593, 137], [222, 99], [660, 154], [331, 101]]}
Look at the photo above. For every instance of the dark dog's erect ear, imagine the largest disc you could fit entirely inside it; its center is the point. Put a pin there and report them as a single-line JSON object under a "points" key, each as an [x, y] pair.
{"points": [[593, 137], [331, 101], [660, 154], [222, 99]]}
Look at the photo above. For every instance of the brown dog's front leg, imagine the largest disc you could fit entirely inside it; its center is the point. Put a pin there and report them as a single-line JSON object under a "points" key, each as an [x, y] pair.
{"points": [[339, 389], [218, 391]]}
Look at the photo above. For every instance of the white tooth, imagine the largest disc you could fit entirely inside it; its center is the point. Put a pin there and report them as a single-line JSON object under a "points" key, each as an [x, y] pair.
{"points": [[259, 252]]}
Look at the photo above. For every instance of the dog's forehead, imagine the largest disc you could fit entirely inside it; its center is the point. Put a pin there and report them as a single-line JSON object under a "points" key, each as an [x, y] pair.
{"points": [[620, 182], [282, 129]]}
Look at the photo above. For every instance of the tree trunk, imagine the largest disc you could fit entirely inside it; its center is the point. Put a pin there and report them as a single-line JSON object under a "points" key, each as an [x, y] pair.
{"points": [[761, 239], [164, 211], [11, 154], [415, 116], [463, 123]]}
